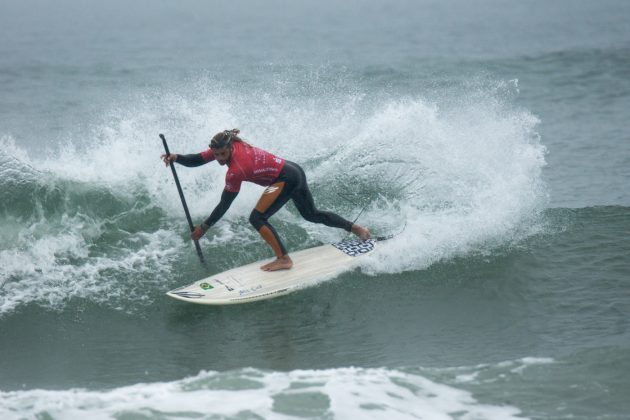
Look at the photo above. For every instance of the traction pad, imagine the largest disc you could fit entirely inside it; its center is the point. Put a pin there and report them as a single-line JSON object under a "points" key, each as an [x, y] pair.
{"points": [[355, 247]]}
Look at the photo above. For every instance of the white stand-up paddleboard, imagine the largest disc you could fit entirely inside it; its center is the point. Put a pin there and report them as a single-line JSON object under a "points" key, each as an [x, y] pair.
{"points": [[249, 283]]}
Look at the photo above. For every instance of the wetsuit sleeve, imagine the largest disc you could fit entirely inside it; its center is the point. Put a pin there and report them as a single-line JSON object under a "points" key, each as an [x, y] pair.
{"points": [[190, 160], [196, 159], [226, 200]]}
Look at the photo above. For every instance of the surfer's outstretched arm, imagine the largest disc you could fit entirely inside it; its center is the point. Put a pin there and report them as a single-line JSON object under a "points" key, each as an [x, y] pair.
{"points": [[192, 160], [226, 201]]}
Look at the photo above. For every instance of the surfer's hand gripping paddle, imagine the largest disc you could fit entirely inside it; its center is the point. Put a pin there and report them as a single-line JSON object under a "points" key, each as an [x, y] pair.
{"points": [[181, 196], [198, 233]]}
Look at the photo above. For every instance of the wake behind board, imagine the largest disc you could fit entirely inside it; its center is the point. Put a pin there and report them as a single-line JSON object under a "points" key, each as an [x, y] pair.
{"points": [[249, 283]]}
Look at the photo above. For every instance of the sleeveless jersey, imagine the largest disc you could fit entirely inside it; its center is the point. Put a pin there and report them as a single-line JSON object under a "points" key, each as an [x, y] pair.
{"points": [[248, 163]]}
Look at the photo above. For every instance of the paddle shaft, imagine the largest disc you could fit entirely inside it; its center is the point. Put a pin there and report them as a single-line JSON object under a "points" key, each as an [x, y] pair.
{"points": [[183, 199]]}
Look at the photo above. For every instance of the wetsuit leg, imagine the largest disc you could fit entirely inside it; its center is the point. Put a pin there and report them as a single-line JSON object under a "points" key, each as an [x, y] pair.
{"points": [[303, 200], [273, 198], [291, 184]]}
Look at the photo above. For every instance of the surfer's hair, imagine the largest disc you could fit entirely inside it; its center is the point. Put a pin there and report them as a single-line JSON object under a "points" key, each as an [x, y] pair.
{"points": [[225, 139]]}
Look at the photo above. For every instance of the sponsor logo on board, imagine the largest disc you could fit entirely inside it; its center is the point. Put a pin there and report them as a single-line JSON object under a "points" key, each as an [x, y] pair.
{"points": [[230, 289], [250, 290]]}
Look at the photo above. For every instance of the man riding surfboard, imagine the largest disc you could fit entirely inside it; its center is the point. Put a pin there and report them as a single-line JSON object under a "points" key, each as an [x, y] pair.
{"points": [[284, 180]]}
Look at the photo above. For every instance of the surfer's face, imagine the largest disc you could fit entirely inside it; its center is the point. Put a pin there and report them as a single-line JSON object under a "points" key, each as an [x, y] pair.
{"points": [[223, 154]]}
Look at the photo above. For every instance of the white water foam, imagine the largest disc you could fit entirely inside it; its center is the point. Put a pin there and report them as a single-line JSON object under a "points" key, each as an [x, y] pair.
{"points": [[486, 373], [344, 393], [49, 253], [56, 268]]}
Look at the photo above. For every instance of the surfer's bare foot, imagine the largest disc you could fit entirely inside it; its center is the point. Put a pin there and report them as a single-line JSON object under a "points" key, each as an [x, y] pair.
{"points": [[280, 263], [361, 232]]}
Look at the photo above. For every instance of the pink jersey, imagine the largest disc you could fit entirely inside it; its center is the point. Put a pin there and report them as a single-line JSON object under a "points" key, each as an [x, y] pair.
{"points": [[248, 163]]}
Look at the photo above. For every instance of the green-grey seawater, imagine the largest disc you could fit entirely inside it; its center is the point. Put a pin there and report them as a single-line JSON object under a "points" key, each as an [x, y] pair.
{"points": [[493, 132]]}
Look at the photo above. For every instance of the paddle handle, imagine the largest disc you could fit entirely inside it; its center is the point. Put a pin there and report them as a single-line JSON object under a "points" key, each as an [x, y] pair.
{"points": [[183, 199]]}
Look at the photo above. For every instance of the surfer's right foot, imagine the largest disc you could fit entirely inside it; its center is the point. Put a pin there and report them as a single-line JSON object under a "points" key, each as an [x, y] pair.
{"points": [[361, 232], [280, 263]]}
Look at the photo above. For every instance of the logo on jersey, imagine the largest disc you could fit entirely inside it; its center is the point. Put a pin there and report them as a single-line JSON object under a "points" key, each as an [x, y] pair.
{"points": [[271, 189]]}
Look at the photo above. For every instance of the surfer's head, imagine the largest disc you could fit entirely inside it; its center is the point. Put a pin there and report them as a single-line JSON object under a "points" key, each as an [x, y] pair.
{"points": [[221, 145]]}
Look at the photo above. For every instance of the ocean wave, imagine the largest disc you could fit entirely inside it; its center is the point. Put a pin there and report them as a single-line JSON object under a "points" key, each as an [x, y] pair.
{"points": [[461, 170], [375, 393]]}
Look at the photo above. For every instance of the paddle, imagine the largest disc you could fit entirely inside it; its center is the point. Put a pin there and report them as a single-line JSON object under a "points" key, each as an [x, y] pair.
{"points": [[181, 196]]}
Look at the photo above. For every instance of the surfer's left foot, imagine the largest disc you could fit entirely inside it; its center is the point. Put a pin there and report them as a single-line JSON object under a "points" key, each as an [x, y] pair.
{"points": [[361, 232], [281, 263]]}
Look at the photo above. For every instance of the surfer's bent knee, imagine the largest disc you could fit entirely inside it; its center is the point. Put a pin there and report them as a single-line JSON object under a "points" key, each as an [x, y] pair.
{"points": [[257, 219]]}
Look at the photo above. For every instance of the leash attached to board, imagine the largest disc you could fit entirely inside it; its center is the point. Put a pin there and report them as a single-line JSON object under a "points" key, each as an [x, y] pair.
{"points": [[391, 235], [377, 238], [181, 196]]}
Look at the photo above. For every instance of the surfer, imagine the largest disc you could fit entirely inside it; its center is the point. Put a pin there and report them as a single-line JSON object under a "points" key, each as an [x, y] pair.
{"points": [[284, 180]]}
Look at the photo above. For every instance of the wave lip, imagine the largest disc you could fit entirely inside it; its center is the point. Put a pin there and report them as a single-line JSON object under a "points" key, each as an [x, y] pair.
{"points": [[376, 393]]}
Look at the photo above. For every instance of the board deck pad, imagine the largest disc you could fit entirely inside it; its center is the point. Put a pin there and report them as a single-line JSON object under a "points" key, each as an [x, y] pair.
{"points": [[249, 283]]}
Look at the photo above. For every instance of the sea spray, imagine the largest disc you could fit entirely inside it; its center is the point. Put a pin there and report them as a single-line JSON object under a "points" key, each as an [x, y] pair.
{"points": [[459, 170]]}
